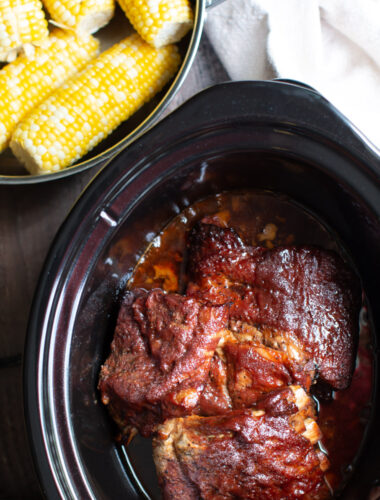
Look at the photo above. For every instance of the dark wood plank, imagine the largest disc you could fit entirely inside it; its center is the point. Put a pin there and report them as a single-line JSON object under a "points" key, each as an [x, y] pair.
{"points": [[17, 474], [29, 219]]}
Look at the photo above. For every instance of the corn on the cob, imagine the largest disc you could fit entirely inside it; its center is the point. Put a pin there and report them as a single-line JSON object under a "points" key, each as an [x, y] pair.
{"points": [[86, 15], [159, 22], [27, 81], [82, 112], [22, 23]]}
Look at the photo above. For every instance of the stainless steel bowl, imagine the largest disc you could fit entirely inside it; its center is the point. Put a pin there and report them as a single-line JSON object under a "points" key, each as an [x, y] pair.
{"points": [[130, 130]]}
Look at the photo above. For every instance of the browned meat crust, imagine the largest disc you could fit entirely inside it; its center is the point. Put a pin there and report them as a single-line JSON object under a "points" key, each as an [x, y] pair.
{"points": [[242, 372], [306, 294], [246, 454], [160, 357]]}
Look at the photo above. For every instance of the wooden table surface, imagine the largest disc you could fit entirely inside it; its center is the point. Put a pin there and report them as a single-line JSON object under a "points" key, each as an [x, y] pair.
{"points": [[29, 218]]}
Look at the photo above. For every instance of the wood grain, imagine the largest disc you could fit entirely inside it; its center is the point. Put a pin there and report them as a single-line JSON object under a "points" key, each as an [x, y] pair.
{"points": [[29, 218]]}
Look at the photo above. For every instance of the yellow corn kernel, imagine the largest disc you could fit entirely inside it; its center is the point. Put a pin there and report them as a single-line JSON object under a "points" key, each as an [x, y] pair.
{"points": [[27, 81], [86, 15], [22, 25], [159, 22], [89, 106]]}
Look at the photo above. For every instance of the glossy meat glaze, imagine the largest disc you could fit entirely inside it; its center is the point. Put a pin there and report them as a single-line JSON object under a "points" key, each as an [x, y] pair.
{"points": [[214, 374], [160, 358], [306, 296]]}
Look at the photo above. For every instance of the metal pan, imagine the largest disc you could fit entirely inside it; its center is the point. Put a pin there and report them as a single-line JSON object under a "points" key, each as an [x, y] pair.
{"points": [[12, 172]]}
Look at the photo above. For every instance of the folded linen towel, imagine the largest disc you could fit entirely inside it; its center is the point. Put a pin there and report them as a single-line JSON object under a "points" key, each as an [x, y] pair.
{"points": [[332, 45]]}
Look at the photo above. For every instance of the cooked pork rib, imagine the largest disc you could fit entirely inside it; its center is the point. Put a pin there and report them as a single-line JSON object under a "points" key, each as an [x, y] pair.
{"points": [[171, 356], [266, 453], [160, 357], [305, 297]]}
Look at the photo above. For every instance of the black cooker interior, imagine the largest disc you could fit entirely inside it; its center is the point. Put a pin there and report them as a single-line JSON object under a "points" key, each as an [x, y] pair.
{"points": [[158, 198]]}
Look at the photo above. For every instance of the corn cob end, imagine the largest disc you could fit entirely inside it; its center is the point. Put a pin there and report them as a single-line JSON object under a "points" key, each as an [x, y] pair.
{"points": [[26, 156], [86, 16], [158, 22], [172, 33], [93, 22]]}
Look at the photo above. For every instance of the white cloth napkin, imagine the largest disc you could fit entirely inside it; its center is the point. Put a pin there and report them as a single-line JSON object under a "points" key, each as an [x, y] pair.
{"points": [[332, 45]]}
